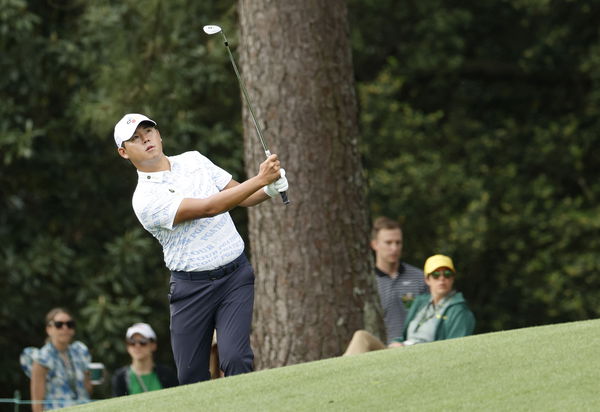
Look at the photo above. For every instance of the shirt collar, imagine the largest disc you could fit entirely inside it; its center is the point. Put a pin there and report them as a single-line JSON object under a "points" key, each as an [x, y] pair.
{"points": [[154, 177], [444, 300], [382, 274]]}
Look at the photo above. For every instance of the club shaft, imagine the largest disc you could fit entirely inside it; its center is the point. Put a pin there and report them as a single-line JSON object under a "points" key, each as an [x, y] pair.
{"points": [[283, 195], [245, 93]]}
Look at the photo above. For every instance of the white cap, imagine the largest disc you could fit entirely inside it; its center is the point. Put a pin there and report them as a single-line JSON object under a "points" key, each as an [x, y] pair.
{"points": [[143, 329], [126, 126]]}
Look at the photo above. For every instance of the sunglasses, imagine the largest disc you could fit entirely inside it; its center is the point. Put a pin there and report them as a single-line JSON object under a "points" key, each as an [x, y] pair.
{"points": [[141, 342], [445, 273], [58, 324]]}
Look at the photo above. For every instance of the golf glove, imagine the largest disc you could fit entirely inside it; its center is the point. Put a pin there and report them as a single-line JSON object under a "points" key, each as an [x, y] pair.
{"points": [[280, 185]]}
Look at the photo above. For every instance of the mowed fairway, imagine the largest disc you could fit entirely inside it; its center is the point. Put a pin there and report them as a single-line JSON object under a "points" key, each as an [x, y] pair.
{"points": [[544, 368]]}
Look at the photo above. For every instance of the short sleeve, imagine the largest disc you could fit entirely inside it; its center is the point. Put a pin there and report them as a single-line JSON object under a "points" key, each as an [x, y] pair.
{"points": [[220, 177], [26, 359], [44, 357], [159, 212], [81, 352]]}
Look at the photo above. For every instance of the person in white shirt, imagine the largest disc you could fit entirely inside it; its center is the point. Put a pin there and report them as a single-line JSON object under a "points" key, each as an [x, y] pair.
{"points": [[183, 201]]}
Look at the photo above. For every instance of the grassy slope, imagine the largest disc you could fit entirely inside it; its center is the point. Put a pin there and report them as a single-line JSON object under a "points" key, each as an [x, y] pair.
{"points": [[543, 368]]}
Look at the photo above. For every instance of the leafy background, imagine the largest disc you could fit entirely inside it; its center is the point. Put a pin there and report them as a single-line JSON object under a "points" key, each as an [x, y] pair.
{"points": [[479, 129]]}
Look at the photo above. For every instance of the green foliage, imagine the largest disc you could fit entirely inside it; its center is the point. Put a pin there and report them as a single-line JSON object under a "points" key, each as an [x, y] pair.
{"points": [[17, 130], [480, 135], [68, 234], [479, 125]]}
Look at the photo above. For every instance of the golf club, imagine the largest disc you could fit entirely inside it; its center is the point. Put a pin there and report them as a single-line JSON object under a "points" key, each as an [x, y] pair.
{"points": [[212, 29]]}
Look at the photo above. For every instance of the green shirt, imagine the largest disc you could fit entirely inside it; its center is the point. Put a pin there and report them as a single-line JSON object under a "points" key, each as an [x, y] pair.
{"points": [[143, 383]]}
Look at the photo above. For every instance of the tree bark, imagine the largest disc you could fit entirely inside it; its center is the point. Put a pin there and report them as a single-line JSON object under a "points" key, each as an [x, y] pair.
{"points": [[312, 260]]}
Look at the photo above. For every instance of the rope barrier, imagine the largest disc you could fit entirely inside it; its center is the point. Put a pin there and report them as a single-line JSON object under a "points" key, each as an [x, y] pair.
{"points": [[18, 401]]}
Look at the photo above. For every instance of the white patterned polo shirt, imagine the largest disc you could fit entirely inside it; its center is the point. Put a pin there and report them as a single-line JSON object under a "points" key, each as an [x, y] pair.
{"points": [[193, 245]]}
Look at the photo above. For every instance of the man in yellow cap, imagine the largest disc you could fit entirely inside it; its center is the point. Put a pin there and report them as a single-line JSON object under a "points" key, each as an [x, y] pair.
{"points": [[442, 314]]}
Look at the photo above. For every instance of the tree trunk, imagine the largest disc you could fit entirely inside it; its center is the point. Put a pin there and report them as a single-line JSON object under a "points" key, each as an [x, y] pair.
{"points": [[312, 261]]}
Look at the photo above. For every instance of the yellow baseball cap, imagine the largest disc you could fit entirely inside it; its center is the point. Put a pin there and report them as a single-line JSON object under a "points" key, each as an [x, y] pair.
{"points": [[437, 261]]}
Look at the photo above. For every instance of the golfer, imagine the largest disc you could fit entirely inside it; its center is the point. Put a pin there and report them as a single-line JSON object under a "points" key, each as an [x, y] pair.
{"points": [[183, 201]]}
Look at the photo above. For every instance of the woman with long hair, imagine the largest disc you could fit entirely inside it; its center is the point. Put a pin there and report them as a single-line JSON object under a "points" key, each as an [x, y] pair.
{"points": [[58, 370]]}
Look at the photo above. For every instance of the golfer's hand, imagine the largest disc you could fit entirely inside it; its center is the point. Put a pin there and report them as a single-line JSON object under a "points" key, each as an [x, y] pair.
{"points": [[395, 345], [280, 185], [269, 169]]}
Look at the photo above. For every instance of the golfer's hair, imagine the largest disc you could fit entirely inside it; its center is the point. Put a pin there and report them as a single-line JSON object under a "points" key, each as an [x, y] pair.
{"points": [[383, 222], [55, 311], [146, 123]]}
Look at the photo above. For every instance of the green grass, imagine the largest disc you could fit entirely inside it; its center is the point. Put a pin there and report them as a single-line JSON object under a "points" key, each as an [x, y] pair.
{"points": [[547, 368]]}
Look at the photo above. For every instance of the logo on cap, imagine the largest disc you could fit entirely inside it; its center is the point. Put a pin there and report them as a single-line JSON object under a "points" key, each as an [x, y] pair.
{"points": [[130, 120]]}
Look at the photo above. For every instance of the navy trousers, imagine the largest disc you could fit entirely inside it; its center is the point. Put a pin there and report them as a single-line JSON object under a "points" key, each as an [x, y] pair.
{"points": [[201, 302]]}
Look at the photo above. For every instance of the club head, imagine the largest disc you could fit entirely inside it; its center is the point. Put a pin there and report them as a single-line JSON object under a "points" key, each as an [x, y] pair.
{"points": [[211, 29]]}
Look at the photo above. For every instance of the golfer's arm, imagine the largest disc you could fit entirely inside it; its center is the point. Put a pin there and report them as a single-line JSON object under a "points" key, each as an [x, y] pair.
{"points": [[38, 386], [231, 196], [255, 198]]}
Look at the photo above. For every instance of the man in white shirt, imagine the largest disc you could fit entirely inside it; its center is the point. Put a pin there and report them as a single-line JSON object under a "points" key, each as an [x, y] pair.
{"points": [[184, 201]]}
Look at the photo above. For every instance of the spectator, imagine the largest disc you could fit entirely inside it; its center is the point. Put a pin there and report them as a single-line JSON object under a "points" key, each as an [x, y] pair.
{"points": [[398, 283], [143, 375], [59, 369], [443, 314]]}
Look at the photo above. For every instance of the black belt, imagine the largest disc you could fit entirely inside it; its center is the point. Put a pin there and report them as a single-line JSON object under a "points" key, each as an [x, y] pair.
{"points": [[213, 274]]}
